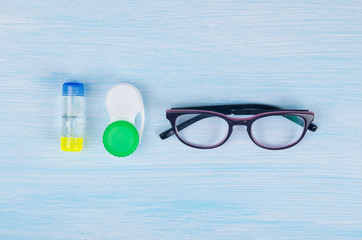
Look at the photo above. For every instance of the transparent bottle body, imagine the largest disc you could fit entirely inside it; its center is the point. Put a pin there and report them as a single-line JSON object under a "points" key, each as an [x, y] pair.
{"points": [[73, 117]]}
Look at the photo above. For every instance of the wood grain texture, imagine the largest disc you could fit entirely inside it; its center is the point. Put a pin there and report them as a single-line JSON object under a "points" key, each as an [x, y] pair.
{"points": [[303, 54]]}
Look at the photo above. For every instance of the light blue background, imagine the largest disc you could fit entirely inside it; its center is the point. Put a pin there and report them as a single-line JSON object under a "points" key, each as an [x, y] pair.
{"points": [[296, 54]]}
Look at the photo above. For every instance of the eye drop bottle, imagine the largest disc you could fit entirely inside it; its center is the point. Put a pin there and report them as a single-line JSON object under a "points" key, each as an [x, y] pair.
{"points": [[72, 117]]}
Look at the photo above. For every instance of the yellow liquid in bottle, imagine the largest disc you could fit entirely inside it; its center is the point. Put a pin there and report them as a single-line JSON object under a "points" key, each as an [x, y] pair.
{"points": [[71, 144]]}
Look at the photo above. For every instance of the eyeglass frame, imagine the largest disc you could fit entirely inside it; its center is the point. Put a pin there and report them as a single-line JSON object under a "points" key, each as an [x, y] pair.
{"points": [[260, 111]]}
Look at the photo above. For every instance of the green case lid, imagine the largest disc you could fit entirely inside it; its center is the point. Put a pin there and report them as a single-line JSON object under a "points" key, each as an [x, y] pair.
{"points": [[121, 138]]}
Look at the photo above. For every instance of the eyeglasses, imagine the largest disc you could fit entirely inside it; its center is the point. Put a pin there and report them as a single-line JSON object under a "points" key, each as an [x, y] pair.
{"points": [[208, 127]]}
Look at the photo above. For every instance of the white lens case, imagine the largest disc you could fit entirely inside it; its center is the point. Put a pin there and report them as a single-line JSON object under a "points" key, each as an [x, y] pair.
{"points": [[124, 102]]}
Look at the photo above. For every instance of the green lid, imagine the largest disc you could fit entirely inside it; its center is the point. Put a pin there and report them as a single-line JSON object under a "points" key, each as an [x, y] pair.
{"points": [[120, 138]]}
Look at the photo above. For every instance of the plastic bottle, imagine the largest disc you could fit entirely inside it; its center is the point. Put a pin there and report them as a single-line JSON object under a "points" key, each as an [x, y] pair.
{"points": [[73, 117]]}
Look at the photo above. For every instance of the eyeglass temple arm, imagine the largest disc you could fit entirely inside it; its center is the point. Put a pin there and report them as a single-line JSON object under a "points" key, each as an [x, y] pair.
{"points": [[169, 132], [246, 109]]}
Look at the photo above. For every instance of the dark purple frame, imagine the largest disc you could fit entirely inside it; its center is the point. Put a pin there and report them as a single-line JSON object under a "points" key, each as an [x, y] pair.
{"points": [[172, 114]]}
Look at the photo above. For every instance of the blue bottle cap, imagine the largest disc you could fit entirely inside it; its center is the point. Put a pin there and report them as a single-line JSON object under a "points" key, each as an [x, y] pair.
{"points": [[73, 89]]}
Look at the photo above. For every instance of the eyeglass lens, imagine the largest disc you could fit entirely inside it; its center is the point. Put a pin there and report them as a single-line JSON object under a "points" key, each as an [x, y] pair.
{"points": [[277, 131], [207, 131]]}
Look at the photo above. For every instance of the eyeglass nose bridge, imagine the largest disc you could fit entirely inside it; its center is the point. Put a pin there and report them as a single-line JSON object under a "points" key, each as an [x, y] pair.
{"points": [[240, 122]]}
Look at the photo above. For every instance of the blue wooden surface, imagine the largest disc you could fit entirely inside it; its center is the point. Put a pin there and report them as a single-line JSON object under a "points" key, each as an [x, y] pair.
{"points": [[303, 54]]}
